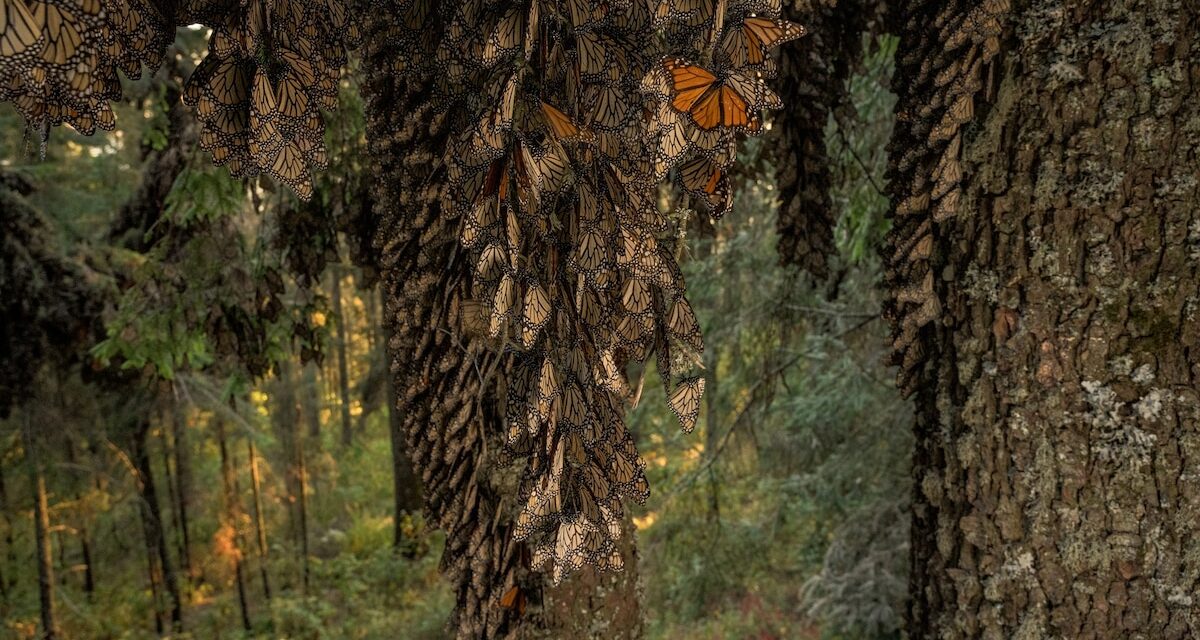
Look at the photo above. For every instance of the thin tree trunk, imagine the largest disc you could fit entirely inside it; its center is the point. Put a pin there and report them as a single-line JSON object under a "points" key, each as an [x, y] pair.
{"points": [[85, 546], [89, 573], [9, 551], [172, 493], [259, 529], [153, 574], [1058, 429], [341, 335], [233, 517], [41, 526], [312, 403], [301, 484], [712, 417], [183, 486], [152, 521], [287, 418]]}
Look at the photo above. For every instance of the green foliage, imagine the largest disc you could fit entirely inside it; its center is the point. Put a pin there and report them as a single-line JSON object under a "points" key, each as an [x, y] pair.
{"points": [[204, 193]]}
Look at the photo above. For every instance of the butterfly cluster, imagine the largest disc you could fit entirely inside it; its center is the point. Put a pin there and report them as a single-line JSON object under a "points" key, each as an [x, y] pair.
{"points": [[715, 92], [946, 74], [569, 122], [59, 58], [272, 66], [813, 83]]}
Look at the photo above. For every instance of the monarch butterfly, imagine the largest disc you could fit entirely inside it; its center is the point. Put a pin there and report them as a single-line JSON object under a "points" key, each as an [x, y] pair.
{"points": [[290, 168], [514, 599], [591, 51], [682, 323], [611, 108], [561, 125], [591, 251], [636, 296], [505, 39], [685, 402], [575, 412], [713, 102], [537, 313], [687, 13], [548, 383], [552, 168], [18, 29], [585, 12], [62, 29], [705, 179], [502, 304], [749, 42]]}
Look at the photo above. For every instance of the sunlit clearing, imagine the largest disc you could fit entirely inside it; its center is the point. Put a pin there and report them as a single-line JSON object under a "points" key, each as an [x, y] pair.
{"points": [[646, 521]]}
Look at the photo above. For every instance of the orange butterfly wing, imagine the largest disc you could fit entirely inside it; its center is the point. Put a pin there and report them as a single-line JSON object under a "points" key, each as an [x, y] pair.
{"points": [[707, 111], [689, 82], [733, 108], [514, 599], [560, 123]]}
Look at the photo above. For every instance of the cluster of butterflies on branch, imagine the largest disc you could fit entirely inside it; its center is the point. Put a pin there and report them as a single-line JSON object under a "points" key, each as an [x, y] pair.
{"points": [[571, 115], [272, 66], [946, 75]]}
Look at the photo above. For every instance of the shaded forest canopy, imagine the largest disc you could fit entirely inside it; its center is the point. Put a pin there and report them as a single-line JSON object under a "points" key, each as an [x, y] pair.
{"points": [[368, 318]]}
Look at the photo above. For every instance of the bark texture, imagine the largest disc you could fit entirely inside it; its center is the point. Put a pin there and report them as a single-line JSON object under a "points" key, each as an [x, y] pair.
{"points": [[1058, 434], [449, 386]]}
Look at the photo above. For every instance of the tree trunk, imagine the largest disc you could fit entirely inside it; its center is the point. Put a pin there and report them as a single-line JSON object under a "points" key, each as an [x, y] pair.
{"points": [[301, 471], [233, 518], [41, 527], [406, 483], [9, 552], [312, 403], [152, 522], [259, 529], [1058, 429], [84, 538], [342, 335], [452, 417], [183, 486], [287, 417], [170, 476]]}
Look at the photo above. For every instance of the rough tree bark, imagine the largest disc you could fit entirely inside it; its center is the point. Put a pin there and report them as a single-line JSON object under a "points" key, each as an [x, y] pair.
{"points": [[1058, 433], [449, 398]]}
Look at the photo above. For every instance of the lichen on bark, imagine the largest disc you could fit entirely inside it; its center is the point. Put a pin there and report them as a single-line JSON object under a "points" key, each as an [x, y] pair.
{"points": [[1057, 405]]}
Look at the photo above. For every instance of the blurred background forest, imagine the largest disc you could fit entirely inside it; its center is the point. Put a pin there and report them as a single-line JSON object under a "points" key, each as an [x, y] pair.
{"points": [[252, 505]]}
